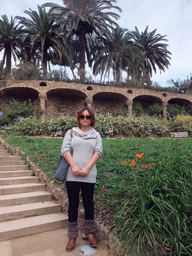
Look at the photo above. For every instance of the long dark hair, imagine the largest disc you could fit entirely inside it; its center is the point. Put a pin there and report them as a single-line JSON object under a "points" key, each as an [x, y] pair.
{"points": [[91, 114]]}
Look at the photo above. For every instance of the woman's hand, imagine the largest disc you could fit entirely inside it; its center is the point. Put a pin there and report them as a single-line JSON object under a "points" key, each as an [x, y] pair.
{"points": [[83, 172], [75, 170]]}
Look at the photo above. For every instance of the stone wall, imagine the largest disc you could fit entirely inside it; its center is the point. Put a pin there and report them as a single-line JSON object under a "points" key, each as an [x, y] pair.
{"points": [[58, 98]]}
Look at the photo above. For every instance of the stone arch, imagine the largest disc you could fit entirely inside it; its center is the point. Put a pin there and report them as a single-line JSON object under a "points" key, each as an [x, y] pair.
{"points": [[185, 106], [179, 101], [109, 100], [146, 101], [18, 93], [64, 101]]}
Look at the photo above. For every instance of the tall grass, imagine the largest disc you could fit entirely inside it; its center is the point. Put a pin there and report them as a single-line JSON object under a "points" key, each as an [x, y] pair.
{"points": [[147, 205]]}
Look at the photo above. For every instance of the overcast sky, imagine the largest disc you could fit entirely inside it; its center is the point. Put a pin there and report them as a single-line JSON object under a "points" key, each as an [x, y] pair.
{"points": [[172, 18]]}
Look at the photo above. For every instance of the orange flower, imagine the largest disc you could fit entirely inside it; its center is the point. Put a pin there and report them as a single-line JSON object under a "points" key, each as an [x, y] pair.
{"points": [[139, 155], [123, 162], [144, 166], [132, 163], [150, 165]]}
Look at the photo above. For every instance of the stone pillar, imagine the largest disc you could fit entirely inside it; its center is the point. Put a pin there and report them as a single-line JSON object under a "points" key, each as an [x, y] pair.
{"points": [[164, 105], [89, 101], [42, 98], [130, 107]]}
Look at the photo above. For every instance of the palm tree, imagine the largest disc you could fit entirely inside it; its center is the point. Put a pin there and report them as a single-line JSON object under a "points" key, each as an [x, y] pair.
{"points": [[116, 53], [44, 34], [83, 18], [155, 52], [10, 38], [69, 59]]}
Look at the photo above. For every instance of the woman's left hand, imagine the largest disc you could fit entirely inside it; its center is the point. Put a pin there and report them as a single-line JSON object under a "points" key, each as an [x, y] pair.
{"points": [[83, 172]]}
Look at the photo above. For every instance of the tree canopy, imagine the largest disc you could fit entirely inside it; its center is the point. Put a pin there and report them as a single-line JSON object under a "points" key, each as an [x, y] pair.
{"points": [[83, 32]]}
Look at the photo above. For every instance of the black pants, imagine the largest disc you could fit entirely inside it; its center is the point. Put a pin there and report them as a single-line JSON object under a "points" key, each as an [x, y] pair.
{"points": [[73, 190]]}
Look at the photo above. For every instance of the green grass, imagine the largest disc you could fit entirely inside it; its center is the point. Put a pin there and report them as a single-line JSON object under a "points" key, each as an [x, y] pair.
{"points": [[150, 209]]}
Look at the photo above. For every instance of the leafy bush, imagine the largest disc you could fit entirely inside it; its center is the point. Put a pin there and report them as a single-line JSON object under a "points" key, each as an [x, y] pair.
{"points": [[175, 109], [181, 124], [106, 125], [27, 71], [34, 126], [154, 109], [17, 109], [58, 75], [130, 126], [115, 111]]}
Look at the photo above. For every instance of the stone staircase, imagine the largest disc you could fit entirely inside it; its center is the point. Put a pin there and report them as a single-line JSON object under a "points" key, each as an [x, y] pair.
{"points": [[25, 207]]}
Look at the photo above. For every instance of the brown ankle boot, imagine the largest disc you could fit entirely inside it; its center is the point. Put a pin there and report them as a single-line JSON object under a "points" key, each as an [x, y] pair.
{"points": [[92, 240], [71, 244]]}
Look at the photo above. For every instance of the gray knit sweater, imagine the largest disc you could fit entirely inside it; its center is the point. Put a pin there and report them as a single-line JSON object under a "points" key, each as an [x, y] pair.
{"points": [[84, 145]]}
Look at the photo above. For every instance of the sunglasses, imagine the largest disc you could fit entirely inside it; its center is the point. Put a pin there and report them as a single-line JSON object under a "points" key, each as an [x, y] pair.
{"points": [[85, 117]]}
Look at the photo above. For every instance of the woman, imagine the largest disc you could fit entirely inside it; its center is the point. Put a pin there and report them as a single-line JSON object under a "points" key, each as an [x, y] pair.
{"points": [[86, 143]]}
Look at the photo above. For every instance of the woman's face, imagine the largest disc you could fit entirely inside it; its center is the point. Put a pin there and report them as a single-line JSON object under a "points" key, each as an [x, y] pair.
{"points": [[85, 119]]}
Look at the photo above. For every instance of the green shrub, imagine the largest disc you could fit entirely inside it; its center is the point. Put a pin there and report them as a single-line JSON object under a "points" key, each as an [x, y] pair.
{"points": [[34, 126], [19, 109], [27, 71], [107, 126], [181, 124], [175, 109], [154, 109], [115, 111], [58, 75]]}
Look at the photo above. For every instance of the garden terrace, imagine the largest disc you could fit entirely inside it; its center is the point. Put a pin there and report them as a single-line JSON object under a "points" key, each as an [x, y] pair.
{"points": [[62, 97]]}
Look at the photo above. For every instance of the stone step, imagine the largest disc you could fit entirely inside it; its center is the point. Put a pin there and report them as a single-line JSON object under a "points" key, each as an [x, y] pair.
{"points": [[13, 167], [9, 157], [4, 154], [28, 210], [21, 188], [32, 225], [19, 173], [25, 198], [12, 162], [4, 149], [18, 180], [25, 207]]}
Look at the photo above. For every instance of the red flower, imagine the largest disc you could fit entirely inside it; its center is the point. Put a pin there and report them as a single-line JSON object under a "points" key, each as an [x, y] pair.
{"points": [[123, 162], [132, 163], [139, 155]]}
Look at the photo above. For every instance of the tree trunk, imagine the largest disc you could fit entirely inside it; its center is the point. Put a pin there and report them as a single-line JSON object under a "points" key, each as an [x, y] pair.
{"points": [[82, 40], [8, 62], [118, 74], [44, 62]]}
